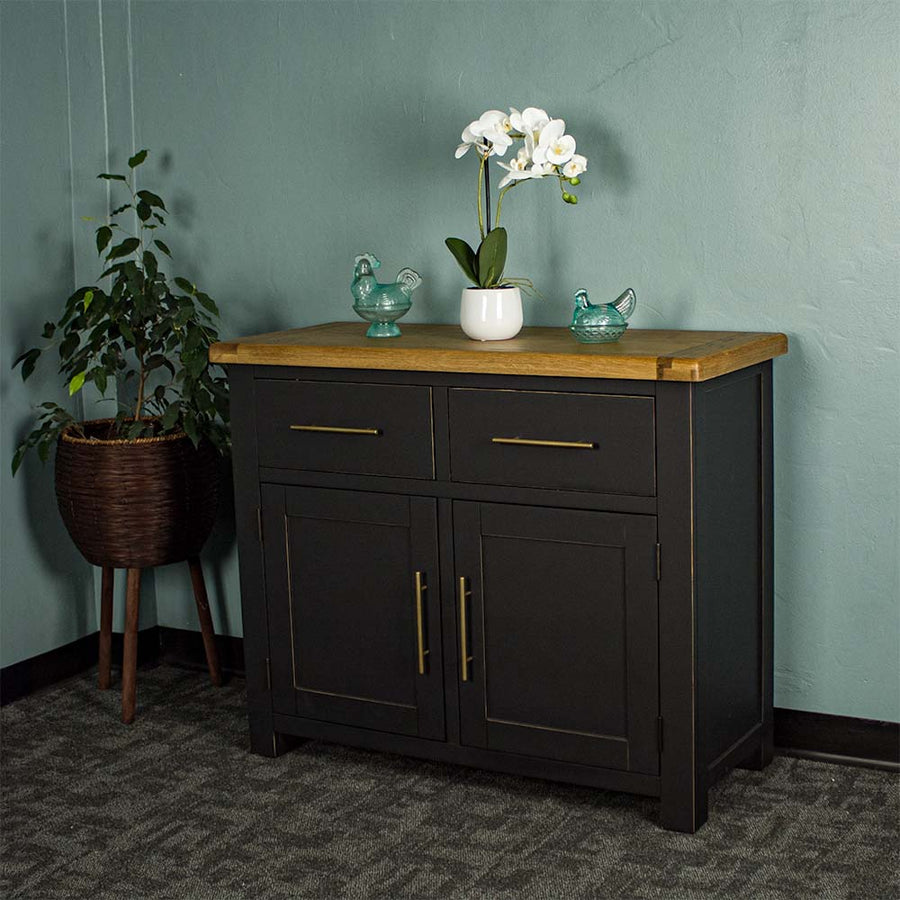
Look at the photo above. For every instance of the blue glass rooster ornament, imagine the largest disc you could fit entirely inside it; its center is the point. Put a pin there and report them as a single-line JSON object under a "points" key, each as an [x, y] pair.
{"points": [[604, 322], [381, 304]]}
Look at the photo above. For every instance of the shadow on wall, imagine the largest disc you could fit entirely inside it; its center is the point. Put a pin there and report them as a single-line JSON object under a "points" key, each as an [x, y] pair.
{"points": [[220, 546], [51, 542], [611, 162]]}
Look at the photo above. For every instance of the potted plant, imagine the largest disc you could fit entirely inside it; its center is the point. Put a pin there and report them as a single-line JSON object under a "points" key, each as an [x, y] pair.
{"points": [[492, 309], [137, 488]]}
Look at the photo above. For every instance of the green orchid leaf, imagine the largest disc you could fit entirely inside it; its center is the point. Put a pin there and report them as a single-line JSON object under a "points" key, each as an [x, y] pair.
{"points": [[465, 256], [492, 258]]}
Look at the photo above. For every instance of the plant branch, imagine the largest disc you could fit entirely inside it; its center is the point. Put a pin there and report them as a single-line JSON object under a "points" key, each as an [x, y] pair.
{"points": [[142, 377]]}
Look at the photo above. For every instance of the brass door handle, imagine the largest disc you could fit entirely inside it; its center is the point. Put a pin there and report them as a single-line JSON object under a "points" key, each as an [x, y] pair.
{"points": [[529, 442], [421, 587], [464, 595], [335, 429]]}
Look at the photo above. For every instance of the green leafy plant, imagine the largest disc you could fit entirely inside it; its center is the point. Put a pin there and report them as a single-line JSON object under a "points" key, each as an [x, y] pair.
{"points": [[141, 338]]}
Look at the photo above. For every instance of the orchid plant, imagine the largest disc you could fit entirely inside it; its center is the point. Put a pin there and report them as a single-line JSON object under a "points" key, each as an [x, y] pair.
{"points": [[546, 151]]}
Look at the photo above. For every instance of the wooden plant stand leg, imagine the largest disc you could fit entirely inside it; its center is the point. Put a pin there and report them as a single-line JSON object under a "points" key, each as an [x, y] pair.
{"points": [[206, 625], [106, 611], [129, 661]]}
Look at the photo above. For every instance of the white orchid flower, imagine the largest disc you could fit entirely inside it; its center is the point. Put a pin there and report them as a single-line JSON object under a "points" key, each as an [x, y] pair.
{"points": [[530, 122], [492, 127], [575, 166], [554, 146], [522, 168], [517, 168]]}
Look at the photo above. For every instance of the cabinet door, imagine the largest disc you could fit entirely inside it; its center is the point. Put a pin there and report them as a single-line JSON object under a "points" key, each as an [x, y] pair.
{"points": [[353, 602], [556, 611]]}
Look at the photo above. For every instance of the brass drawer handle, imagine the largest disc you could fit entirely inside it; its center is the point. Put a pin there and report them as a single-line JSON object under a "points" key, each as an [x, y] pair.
{"points": [[463, 628], [421, 587], [528, 442], [334, 429]]}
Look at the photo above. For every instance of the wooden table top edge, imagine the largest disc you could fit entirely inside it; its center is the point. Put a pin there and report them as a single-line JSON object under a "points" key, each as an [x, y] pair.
{"points": [[324, 346]]}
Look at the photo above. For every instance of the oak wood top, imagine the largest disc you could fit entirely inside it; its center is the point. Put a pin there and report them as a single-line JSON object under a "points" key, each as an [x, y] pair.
{"points": [[639, 354]]}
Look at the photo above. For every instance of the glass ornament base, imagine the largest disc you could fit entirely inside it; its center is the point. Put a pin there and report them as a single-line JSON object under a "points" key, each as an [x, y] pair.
{"points": [[383, 330]]}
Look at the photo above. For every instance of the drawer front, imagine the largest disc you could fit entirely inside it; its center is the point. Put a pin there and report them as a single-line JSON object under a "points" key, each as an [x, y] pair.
{"points": [[581, 442], [367, 429]]}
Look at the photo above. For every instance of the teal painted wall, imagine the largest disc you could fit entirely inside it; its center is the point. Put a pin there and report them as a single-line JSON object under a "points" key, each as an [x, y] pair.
{"points": [[743, 175], [46, 594]]}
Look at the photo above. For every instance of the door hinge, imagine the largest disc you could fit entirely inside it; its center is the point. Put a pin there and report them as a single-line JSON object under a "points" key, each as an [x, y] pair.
{"points": [[268, 674], [659, 734], [658, 562], [259, 528]]}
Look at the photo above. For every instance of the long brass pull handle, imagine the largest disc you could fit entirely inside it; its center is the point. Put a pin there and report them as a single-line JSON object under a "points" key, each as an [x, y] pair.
{"points": [[463, 629], [528, 442], [334, 429], [421, 587]]}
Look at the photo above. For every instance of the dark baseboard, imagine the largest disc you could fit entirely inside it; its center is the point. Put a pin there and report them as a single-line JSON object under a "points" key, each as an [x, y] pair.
{"points": [[184, 648], [30, 675], [839, 739]]}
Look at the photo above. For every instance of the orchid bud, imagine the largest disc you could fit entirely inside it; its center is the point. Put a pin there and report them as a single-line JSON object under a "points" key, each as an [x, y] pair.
{"points": [[575, 181]]}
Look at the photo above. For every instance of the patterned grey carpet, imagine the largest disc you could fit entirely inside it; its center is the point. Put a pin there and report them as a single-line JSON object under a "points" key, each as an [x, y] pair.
{"points": [[176, 807]]}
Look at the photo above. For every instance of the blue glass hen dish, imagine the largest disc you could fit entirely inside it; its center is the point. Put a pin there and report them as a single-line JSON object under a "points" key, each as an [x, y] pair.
{"points": [[604, 322], [381, 304]]}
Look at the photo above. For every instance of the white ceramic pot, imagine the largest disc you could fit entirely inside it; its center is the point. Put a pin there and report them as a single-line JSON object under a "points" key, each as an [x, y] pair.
{"points": [[491, 314]]}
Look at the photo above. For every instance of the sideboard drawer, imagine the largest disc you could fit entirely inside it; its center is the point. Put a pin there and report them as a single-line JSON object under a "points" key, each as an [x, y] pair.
{"points": [[368, 429], [586, 442]]}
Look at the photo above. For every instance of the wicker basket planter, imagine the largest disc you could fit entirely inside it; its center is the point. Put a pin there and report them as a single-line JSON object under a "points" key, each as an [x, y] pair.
{"points": [[135, 504]]}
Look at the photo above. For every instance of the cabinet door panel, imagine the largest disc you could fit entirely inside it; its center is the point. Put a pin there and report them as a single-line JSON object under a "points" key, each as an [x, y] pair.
{"points": [[561, 623], [342, 599]]}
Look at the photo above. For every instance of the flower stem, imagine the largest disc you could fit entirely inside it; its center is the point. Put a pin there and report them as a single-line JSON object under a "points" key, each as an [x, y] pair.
{"points": [[509, 187], [487, 194], [480, 209]]}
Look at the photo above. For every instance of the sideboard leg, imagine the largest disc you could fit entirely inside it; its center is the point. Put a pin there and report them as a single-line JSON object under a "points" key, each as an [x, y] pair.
{"points": [[129, 660], [266, 742], [684, 806], [104, 678]]}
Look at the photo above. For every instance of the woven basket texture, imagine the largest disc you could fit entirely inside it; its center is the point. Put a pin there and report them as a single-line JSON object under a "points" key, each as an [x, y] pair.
{"points": [[135, 504]]}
